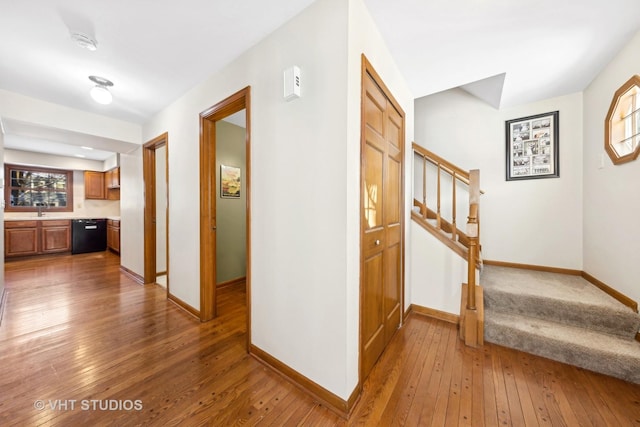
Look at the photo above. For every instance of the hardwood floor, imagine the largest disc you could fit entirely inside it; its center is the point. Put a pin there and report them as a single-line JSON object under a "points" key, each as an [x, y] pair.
{"points": [[76, 332]]}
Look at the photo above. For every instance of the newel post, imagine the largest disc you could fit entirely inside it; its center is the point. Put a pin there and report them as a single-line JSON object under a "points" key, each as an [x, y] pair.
{"points": [[472, 233], [473, 322]]}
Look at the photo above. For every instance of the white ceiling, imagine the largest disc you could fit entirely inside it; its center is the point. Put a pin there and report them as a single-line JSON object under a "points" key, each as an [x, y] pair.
{"points": [[545, 48], [506, 52]]}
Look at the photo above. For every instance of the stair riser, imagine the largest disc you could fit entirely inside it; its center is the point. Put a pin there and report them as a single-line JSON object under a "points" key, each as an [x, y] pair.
{"points": [[619, 323], [626, 368]]}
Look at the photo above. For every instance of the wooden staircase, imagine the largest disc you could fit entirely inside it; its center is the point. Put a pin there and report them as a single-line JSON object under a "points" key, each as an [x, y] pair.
{"points": [[442, 185]]}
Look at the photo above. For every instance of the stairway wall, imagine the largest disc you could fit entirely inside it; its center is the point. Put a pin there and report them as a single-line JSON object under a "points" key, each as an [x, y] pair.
{"points": [[611, 243], [543, 216], [436, 272]]}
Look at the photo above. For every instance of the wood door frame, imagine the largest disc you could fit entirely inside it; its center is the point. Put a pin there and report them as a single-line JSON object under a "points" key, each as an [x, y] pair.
{"points": [[149, 177], [239, 101], [367, 69]]}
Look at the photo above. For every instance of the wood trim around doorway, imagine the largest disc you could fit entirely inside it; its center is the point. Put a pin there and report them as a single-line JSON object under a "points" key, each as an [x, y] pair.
{"points": [[234, 103], [149, 177]]}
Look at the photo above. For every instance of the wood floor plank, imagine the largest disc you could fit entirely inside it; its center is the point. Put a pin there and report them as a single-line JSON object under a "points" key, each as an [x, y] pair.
{"points": [[76, 329], [489, 404], [503, 411], [521, 396], [535, 387], [441, 393], [390, 373], [547, 375], [429, 379], [617, 402], [452, 412], [397, 408], [471, 376]]}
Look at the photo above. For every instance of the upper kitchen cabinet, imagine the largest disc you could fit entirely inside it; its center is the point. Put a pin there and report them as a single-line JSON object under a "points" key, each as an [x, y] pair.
{"points": [[112, 183], [102, 185], [94, 185], [112, 178]]}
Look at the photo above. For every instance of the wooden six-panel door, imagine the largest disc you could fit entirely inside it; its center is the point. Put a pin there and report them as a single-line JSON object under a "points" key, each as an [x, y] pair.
{"points": [[381, 218]]}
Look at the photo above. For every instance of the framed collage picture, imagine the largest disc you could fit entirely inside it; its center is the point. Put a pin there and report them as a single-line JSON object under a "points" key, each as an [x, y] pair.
{"points": [[533, 147]]}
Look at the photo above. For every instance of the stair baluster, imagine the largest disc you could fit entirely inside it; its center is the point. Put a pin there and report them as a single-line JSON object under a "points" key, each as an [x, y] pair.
{"points": [[466, 244]]}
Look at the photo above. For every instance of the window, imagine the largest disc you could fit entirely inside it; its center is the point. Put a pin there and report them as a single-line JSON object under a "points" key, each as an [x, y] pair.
{"points": [[28, 189], [622, 125]]}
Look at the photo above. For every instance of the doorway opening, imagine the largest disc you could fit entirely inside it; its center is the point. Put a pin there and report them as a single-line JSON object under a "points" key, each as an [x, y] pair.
{"points": [[225, 185], [155, 167]]}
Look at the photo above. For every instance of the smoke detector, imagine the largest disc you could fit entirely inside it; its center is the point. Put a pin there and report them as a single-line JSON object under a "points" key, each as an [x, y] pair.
{"points": [[84, 41]]}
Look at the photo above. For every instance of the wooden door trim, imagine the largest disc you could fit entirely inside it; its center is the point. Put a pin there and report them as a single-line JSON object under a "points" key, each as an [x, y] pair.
{"points": [[234, 103], [149, 177], [367, 69]]}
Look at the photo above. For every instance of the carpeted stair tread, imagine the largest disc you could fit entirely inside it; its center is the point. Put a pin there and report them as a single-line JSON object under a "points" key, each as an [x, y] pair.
{"points": [[563, 298], [581, 347]]}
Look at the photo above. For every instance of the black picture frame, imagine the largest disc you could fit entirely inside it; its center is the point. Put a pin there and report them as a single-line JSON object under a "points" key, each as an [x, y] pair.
{"points": [[533, 147]]}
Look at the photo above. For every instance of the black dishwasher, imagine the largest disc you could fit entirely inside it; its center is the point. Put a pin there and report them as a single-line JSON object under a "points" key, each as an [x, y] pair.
{"points": [[88, 235]]}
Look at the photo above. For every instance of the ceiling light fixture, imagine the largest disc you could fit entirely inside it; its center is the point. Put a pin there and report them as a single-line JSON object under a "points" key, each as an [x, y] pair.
{"points": [[100, 92], [86, 148], [84, 41]]}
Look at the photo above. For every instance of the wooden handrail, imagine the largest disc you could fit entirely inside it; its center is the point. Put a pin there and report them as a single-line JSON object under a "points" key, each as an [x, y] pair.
{"points": [[457, 175], [444, 164]]}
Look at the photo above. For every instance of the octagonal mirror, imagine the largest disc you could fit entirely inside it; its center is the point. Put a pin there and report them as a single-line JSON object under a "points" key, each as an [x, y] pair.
{"points": [[622, 125]]}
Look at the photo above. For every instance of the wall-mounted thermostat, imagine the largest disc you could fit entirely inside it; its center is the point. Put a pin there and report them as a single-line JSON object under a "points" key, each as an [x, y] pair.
{"points": [[291, 83]]}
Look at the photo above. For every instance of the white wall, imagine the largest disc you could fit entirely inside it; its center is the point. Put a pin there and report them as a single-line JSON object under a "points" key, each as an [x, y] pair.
{"points": [[536, 221], [611, 201], [34, 111], [437, 272], [111, 162], [132, 212], [305, 186], [19, 157], [298, 196]]}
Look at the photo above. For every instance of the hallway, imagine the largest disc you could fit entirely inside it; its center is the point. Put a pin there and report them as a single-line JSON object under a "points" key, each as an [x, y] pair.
{"points": [[77, 332]]}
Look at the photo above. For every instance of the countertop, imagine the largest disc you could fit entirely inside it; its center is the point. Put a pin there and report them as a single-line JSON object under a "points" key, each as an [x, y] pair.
{"points": [[33, 217]]}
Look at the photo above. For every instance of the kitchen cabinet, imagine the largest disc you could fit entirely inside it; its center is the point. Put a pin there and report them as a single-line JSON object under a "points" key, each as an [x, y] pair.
{"points": [[102, 185], [112, 178], [113, 235], [112, 184], [55, 236], [36, 237], [94, 187], [113, 194], [20, 238]]}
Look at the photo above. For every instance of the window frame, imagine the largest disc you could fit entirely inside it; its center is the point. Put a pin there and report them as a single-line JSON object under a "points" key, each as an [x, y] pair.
{"points": [[8, 187], [612, 122]]}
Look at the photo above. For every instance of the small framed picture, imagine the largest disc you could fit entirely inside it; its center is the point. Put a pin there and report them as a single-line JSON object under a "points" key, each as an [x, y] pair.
{"points": [[533, 147], [229, 182]]}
